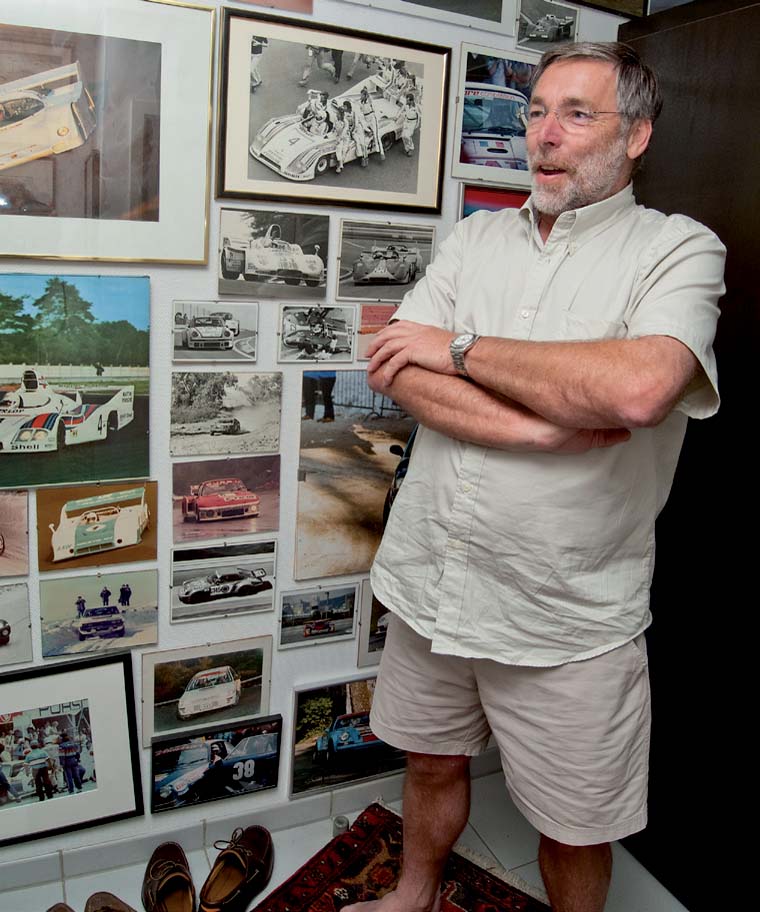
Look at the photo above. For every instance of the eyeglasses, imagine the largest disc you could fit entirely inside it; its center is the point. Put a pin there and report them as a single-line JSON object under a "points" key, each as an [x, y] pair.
{"points": [[572, 120]]}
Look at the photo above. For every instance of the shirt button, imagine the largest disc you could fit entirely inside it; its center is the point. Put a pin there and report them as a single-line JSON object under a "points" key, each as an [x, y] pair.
{"points": [[525, 314], [467, 487]]}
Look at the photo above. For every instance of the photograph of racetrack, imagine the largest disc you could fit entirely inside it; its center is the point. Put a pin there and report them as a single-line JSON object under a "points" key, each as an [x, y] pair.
{"points": [[92, 525], [74, 378], [215, 331], [222, 412], [14, 533], [15, 624], [209, 684], [346, 467], [269, 254], [334, 743], [220, 581], [543, 24], [223, 762], [97, 613], [316, 333], [313, 616], [382, 261]]}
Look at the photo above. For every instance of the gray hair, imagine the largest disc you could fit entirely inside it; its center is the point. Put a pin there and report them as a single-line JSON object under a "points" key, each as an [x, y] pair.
{"points": [[638, 92]]}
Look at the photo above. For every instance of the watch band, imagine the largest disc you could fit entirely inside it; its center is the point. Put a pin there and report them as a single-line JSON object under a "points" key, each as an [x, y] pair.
{"points": [[459, 347]]}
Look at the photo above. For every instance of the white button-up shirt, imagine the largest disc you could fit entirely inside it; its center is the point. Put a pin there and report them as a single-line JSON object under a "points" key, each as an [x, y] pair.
{"points": [[539, 558]]}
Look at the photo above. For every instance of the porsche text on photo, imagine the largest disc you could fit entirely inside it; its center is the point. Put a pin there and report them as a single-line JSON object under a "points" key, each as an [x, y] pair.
{"points": [[215, 688], [219, 498], [493, 127], [270, 257], [394, 264], [230, 584]]}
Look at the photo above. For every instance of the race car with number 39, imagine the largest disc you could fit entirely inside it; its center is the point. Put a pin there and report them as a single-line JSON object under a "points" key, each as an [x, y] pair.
{"points": [[231, 584]]}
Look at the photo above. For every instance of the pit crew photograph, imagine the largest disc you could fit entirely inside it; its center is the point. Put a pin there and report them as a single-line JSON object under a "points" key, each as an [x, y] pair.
{"points": [[209, 684], [316, 333], [209, 765], [219, 581], [73, 622], [309, 616], [215, 331], [225, 498], [273, 254], [15, 624], [224, 412], [382, 261], [14, 533], [334, 743], [60, 420]]}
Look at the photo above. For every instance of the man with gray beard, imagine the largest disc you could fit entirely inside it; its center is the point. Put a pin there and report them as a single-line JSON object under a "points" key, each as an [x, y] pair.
{"points": [[552, 356]]}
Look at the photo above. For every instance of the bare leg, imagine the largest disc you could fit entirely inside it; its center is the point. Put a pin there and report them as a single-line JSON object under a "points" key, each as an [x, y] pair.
{"points": [[436, 808], [576, 877]]}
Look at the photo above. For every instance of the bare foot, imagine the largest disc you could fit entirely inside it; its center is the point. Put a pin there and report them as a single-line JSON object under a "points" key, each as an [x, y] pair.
{"points": [[391, 902]]}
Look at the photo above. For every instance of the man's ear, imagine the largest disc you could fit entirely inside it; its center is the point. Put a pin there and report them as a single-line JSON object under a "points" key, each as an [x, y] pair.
{"points": [[638, 138]]}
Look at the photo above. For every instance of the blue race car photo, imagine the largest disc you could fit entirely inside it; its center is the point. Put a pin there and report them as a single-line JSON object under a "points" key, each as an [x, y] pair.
{"points": [[348, 735]]}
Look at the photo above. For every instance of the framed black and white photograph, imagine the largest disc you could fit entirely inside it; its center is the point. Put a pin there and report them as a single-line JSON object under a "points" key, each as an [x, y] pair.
{"points": [[489, 134], [70, 733], [215, 331], [225, 498], [316, 333], [212, 684], [211, 764], [382, 261], [320, 114], [75, 356], [373, 626], [223, 412], [476, 197], [333, 743], [105, 146], [323, 615], [14, 533], [544, 24], [15, 624], [372, 318], [92, 525], [350, 441], [487, 15], [273, 254], [218, 581], [103, 612]]}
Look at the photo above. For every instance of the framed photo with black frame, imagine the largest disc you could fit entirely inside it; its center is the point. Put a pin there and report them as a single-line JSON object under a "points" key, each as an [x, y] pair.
{"points": [[329, 115], [73, 727]]}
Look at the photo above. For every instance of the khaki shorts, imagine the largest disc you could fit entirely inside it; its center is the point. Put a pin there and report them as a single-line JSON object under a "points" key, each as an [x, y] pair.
{"points": [[573, 739]]}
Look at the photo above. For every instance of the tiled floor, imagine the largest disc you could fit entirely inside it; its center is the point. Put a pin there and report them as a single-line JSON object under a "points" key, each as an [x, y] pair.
{"points": [[496, 831]]}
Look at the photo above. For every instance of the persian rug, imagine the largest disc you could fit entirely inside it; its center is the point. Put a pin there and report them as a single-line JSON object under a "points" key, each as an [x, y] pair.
{"points": [[364, 863]]}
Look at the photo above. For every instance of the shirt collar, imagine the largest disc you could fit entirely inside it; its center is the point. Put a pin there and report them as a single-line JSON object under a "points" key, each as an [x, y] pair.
{"points": [[581, 224]]}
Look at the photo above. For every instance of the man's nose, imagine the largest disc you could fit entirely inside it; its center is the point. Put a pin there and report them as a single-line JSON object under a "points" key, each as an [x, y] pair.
{"points": [[550, 130]]}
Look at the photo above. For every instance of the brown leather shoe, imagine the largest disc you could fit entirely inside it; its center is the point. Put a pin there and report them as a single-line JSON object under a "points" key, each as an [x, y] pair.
{"points": [[106, 902], [241, 870], [167, 885]]}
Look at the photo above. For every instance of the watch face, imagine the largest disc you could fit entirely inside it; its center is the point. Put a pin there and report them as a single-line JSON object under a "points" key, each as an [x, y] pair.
{"points": [[462, 340]]}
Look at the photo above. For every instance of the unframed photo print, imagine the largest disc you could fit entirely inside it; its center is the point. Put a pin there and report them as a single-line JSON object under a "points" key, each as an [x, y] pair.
{"points": [[322, 334], [323, 615]]}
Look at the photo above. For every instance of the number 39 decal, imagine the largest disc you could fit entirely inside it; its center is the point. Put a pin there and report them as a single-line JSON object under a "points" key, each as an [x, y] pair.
{"points": [[243, 769]]}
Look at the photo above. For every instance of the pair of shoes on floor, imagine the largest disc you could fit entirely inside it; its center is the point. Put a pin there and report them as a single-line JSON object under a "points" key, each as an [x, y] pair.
{"points": [[98, 902], [241, 870], [325, 420]]}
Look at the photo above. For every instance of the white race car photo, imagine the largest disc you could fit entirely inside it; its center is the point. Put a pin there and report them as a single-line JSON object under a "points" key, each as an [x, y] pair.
{"points": [[44, 114], [35, 418], [270, 257], [100, 523], [287, 145], [206, 332], [207, 690], [100, 621]]}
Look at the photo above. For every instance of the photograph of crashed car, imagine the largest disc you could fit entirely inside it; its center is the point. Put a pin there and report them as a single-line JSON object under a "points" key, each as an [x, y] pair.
{"points": [[74, 382], [225, 498], [273, 254], [210, 684], [316, 333], [381, 261], [490, 120], [317, 615], [329, 115], [334, 744], [15, 624], [215, 331], [221, 412], [14, 533], [92, 525], [209, 764], [96, 613], [222, 580]]}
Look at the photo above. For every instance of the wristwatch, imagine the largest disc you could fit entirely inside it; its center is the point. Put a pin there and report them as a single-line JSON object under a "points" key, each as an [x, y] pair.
{"points": [[458, 347]]}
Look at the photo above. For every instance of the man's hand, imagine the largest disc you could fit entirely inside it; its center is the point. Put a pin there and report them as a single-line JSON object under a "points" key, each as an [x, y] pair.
{"points": [[404, 343]]}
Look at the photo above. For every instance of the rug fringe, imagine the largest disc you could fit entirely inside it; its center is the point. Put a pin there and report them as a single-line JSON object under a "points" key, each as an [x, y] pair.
{"points": [[493, 867]]}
